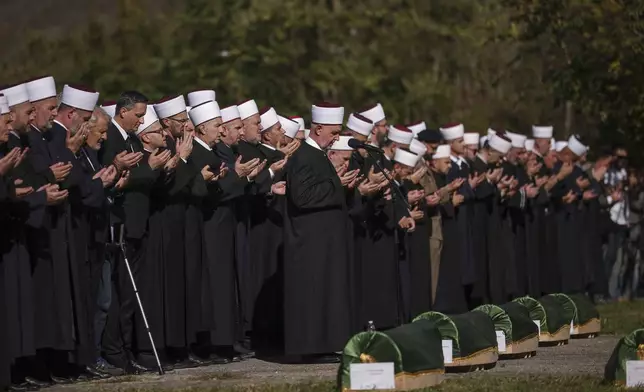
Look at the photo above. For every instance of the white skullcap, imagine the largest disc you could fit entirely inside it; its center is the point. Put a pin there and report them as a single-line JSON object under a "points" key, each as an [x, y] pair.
{"points": [[452, 131], [200, 96], [518, 140], [247, 109], [289, 126], [400, 134], [109, 109], [342, 144], [42, 88], [268, 119], [16, 94], [529, 144], [471, 138], [374, 114], [205, 112], [417, 128], [230, 113], [79, 99], [560, 145], [576, 146], [327, 114], [363, 125], [406, 158], [170, 107], [490, 132], [4, 105], [542, 132], [300, 122], [499, 144], [482, 141], [149, 119], [442, 151], [417, 147]]}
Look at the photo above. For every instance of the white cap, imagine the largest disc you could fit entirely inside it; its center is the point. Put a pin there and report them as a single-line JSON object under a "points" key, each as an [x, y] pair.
{"points": [[417, 128], [400, 134], [576, 146], [268, 118], [327, 114], [359, 125], [375, 114], [188, 109], [170, 107], [482, 141], [342, 144], [542, 132], [417, 147], [16, 94], [109, 109], [442, 151], [205, 112], [42, 88], [289, 126], [499, 144], [471, 138], [247, 109], [490, 132], [79, 99], [452, 131], [200, 96], [230, 113], [300, 122], [149, 119], [560, 145], [529, 144], [518, 140], [4, 105], [406, 158]]}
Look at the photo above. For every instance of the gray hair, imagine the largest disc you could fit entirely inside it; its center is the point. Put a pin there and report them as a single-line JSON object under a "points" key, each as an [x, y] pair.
{"points": [[99, 112]]}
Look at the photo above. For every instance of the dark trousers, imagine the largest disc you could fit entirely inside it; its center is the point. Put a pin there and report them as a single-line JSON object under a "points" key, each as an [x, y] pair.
{"points": [[118, 337], [103, 301]]}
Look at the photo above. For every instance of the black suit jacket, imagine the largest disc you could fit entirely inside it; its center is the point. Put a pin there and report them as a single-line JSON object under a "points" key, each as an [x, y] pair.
{"points": [[209, 199]]}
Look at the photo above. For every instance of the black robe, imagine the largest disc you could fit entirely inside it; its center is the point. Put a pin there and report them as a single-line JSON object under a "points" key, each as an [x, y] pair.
{"points": [[317, 296], [484, 196]]}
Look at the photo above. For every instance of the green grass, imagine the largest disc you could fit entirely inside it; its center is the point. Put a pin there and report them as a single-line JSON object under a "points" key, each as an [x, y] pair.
{"points": [[621, 318]]}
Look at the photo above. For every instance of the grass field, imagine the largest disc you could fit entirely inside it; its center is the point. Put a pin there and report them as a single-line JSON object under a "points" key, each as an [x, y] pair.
{"points": [[577, 367]]}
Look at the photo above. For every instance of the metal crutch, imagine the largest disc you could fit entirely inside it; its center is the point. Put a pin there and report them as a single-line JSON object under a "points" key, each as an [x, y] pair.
{"points": [[138, 298]]}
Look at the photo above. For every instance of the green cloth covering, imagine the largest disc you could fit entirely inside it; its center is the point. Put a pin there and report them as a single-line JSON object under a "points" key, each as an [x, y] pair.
{"points": [[413, 348], [557, 316], [536, 311], [626, 350], [586, 310], [567, 305], [501, 320], [522, 325], [470, 332]]}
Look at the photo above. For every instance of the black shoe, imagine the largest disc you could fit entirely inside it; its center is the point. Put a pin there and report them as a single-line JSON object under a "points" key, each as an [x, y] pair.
{"points": [[107, 368], [167, 367], [96, 373], [60, 380], [243, 352], [217, 360], [37, 383], [138, 368], [22, 387], [321, 358], [184, 364], [196, 361]]}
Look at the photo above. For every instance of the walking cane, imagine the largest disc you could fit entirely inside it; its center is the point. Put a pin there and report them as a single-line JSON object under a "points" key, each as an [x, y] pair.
{"points": [[138, 298]]}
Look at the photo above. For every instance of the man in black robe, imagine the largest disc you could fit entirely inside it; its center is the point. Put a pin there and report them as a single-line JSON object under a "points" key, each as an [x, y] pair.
{"points": [[316, 258]]}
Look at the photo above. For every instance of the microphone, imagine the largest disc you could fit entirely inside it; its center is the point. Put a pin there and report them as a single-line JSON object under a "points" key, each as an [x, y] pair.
{"points": [[355, 144]]}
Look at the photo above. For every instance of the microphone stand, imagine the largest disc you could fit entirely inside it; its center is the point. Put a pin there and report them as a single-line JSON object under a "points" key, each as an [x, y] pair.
{"points": [[395, 192]]}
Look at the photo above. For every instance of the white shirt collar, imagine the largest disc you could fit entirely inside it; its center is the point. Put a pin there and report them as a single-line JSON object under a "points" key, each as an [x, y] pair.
{"points": [[121, 130], [59, 123], [534, 150], [481, 157], [36, 128], [313, 143], [14, 133], [268, 146], [203, 144]]}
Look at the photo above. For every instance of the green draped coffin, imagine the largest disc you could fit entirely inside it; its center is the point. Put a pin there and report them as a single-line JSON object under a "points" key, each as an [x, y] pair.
{"points": [[553, 319], [415, 350], [629, 348], [587, 322], [473, 337], [521, 333]]}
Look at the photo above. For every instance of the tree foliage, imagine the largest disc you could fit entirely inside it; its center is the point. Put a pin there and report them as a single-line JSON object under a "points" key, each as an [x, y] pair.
{"points": [[500, 63]]}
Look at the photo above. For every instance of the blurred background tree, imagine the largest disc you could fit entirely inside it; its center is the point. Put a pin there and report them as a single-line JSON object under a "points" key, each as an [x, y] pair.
{"points": [[499, 63]]}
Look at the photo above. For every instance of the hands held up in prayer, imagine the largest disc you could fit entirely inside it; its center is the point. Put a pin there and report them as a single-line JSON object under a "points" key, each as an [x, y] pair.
{"points": [[290, 148], [54, 194], [158, 159], [126, 160], [211, 176], [279, 188], [61, 170], [107, 175], [76, 141], [407, 223], [12, 160], [418, 174], [22, 191]]}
